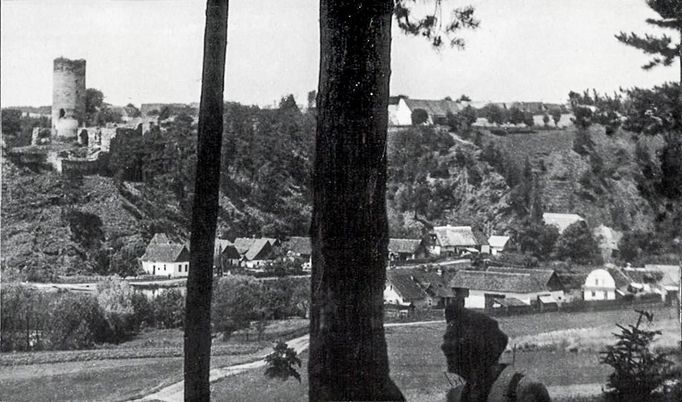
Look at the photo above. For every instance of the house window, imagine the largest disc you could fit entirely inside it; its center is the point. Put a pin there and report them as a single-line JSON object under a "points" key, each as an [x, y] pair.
{"points": [[186, 267], [594, 294], [164, 267], [596, 282]]}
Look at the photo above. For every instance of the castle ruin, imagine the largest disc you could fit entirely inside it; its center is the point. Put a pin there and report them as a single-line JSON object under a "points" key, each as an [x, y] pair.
{"points": [[68, 97]]}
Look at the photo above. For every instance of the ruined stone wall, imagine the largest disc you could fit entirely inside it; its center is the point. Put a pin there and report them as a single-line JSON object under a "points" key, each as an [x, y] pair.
{"points": [[68, 96]]}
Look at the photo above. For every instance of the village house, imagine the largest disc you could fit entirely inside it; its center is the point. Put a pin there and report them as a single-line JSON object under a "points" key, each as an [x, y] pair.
{"points": [[166, 258], [561, 221], [497, 287], [300, 247], [400, 110], [259, 253], [669, 284], [456, 240], [400, 250], [416, 288], [226, 258], [497, 244]]}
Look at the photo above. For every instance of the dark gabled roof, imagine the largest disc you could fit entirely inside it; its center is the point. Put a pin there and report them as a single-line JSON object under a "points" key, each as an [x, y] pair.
{"points": [[243, 244], [499, 281], [299, 245], [160, 238], [220, 245], [415, 284], [405, 286], [621, 279], [259, 250], [166, 253], [230, 251], [544, 276], [403, 245]]}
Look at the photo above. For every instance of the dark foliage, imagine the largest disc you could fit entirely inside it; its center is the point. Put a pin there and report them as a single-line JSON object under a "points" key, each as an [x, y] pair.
{"points": [[640, 374], [282, 362]]}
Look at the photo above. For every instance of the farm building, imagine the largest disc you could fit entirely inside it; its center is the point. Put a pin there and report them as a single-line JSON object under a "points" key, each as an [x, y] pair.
{"points": [[401, 108], [457, 240], [483, 289], [418, 288], [297, 246], [164, 257], [498, 244], [561, 221], [406, 249]]}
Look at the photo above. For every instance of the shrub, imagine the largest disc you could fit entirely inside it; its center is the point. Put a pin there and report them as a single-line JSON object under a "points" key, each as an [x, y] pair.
{"points": [[169, 309], [115, 298], [76, 322], [419, 116], [639, 374], [282, 362], [237, 300], [578, 244]]}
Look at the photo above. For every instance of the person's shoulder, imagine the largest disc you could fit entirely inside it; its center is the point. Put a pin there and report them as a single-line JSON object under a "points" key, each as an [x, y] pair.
{"points": [[512, 385], [529, 390]]}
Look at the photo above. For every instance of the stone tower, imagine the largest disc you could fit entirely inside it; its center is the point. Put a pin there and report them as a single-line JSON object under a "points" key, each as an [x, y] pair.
{"points": [[68, 97]]}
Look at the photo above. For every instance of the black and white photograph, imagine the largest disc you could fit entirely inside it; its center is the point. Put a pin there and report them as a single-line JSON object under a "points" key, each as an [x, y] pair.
{"points": [[341, 200]]}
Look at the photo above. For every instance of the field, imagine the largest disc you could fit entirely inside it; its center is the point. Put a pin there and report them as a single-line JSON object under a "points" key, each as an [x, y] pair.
{"points": [[417, 364], [150, 361]]}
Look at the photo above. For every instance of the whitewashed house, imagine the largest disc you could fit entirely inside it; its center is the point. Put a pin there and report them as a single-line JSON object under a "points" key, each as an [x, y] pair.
{"points": [[497, 244], [400, 110], [599, 285], [485, 289], [258, 254], [406, 249], [165, 258]]}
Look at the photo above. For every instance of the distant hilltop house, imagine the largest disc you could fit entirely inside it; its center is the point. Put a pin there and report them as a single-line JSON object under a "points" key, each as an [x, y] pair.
{"points": [[400, 250], [608, 241], [401, 109], [165, 257], [456, 240], [498, 244], [416, 288], [501, 287], [561, 221]]}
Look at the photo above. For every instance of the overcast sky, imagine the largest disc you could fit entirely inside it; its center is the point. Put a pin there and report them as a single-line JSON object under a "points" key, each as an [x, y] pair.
{"points": [[150, 51]]}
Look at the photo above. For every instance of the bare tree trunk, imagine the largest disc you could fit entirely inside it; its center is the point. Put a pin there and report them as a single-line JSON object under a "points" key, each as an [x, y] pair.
{"points": [[205, 205], [348, 356]]}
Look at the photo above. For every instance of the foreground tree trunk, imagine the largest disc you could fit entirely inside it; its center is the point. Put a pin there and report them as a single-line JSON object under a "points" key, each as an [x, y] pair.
{"points": [[205, 206], [348, 359]]}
